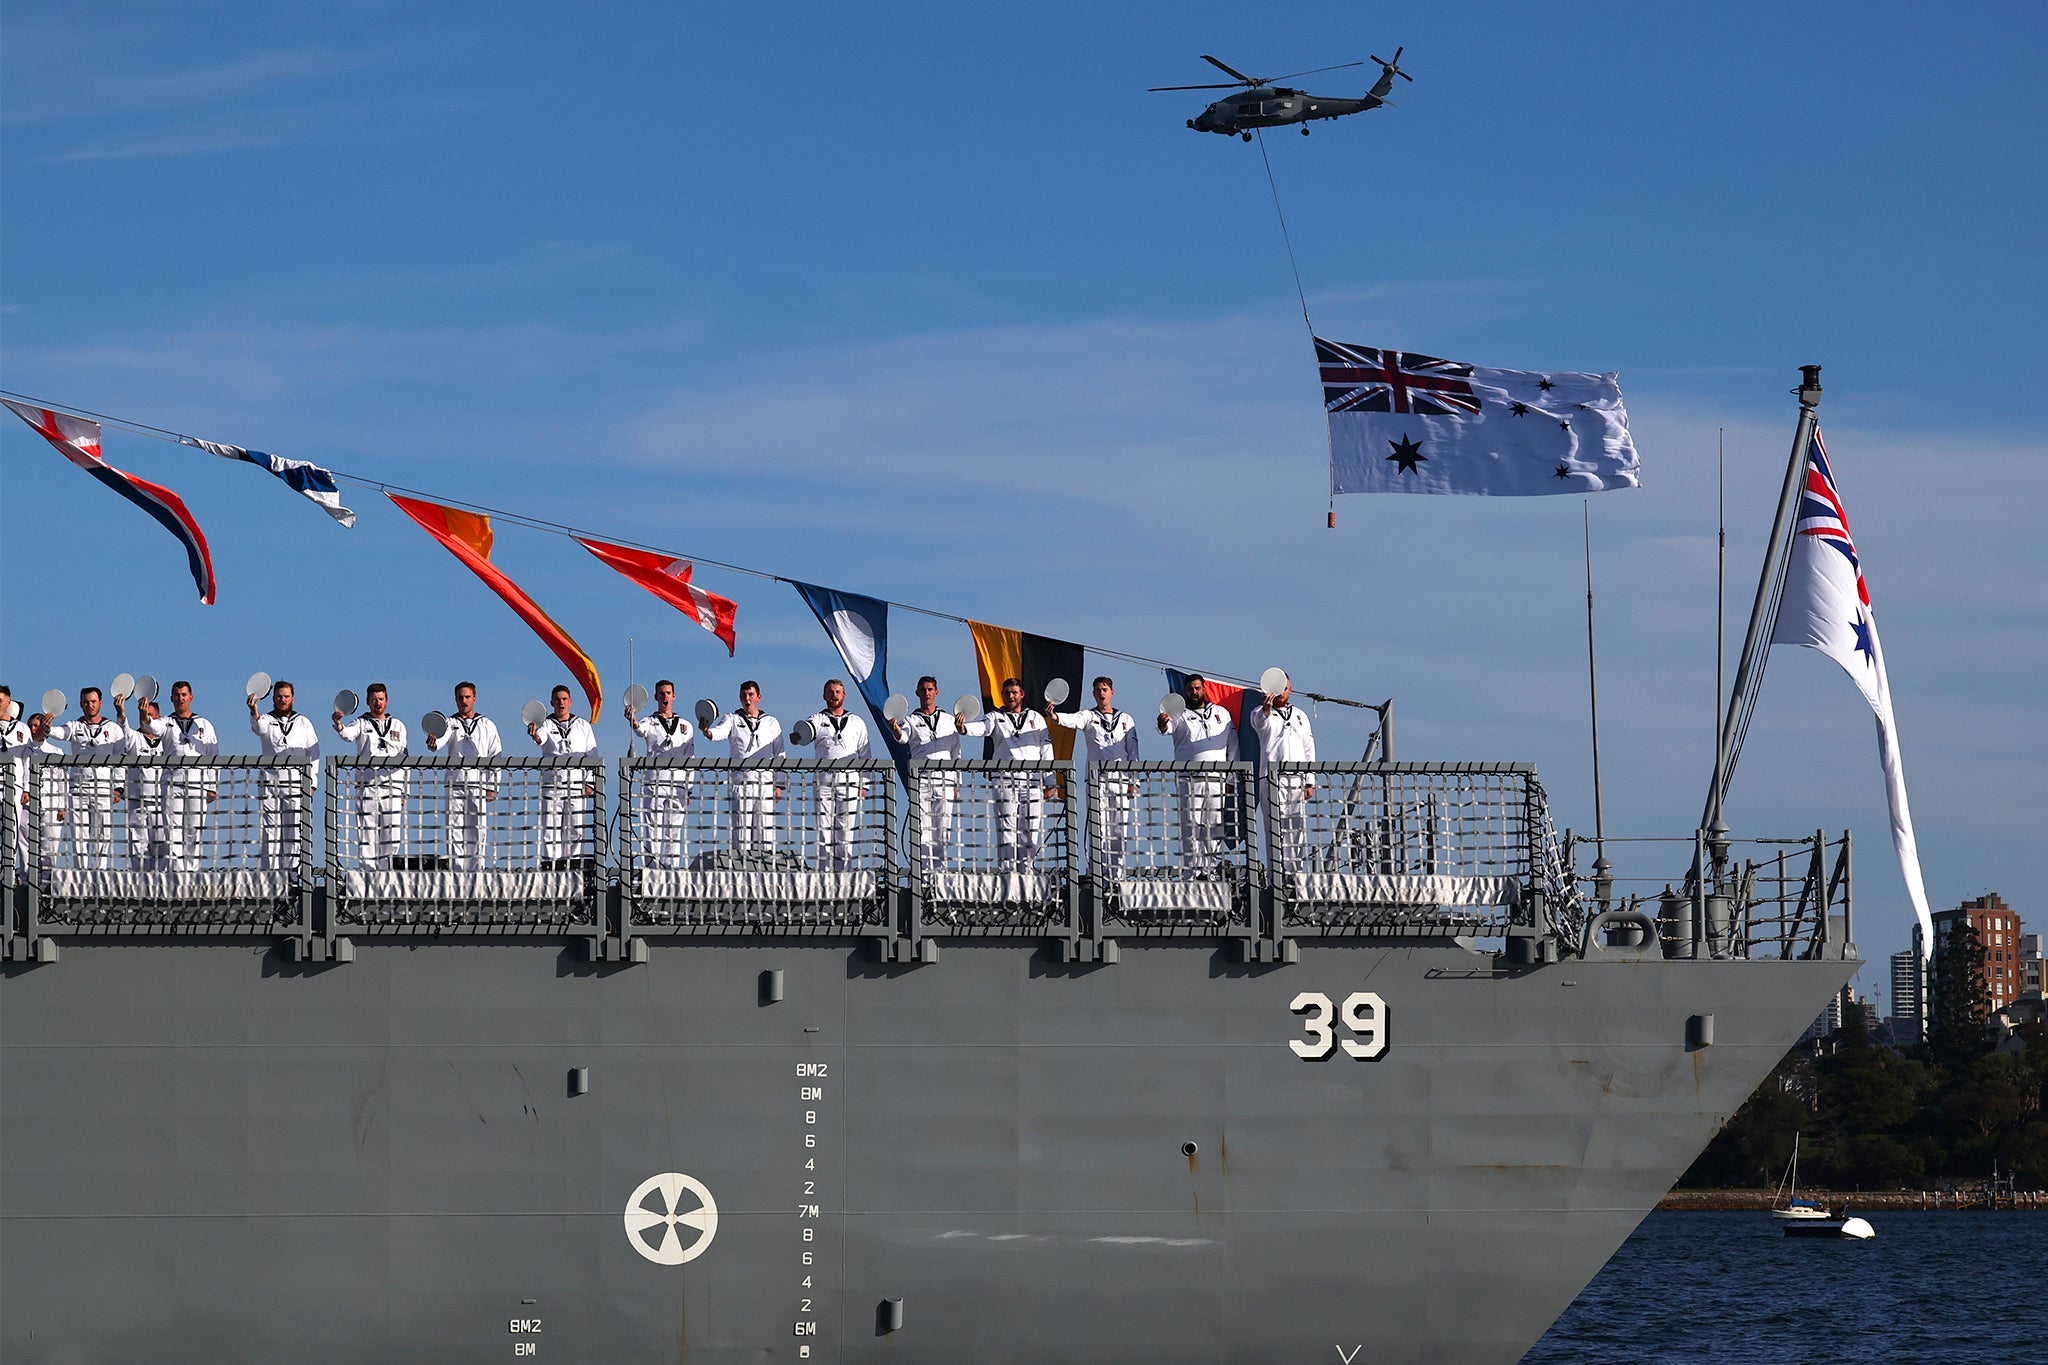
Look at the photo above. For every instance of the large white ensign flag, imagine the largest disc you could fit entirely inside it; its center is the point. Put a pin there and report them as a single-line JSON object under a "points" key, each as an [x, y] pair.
{"points": [[1407, 423], [1826, 606]]}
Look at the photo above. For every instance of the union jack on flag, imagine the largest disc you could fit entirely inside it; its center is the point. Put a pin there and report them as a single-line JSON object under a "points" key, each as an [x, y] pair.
{"points": [[1366, 379], [1821, 515]]}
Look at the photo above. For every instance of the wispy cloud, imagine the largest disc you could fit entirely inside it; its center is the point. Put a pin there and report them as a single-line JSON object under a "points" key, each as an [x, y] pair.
{"points": [[81, 89]]}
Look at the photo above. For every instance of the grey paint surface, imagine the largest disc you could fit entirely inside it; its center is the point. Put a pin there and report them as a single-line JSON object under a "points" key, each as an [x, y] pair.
{"points": [[209, 1153]]}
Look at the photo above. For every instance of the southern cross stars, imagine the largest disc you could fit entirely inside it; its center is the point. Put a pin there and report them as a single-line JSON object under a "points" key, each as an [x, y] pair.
{"points": [[1519, 409], [1865, 646], [1545, 384], [1564, 471], [1407, 456]]}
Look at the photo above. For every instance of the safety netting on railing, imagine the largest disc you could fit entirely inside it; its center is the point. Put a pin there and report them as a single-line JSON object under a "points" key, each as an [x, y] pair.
{"points": [[163, 842], [1452, 846], [1171, 844], [724, 844], [498, 843], [991, 845]]}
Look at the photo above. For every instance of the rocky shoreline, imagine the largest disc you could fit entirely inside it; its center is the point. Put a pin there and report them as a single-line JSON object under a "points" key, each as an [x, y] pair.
{"points": [[1724, 1201]]}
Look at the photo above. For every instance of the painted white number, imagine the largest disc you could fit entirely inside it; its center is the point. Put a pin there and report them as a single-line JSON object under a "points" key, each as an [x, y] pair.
{"points": [[1363, 1013], [1322, 1038]]}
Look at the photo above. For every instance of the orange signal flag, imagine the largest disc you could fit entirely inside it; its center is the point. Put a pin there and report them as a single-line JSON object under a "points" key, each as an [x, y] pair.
{"points": [[467, 536]]}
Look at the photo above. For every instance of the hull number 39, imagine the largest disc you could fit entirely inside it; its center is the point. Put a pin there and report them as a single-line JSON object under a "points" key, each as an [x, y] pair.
{"points": [[1363, 1016]]}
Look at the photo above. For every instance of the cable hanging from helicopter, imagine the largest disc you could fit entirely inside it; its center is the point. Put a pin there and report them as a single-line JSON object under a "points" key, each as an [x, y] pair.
{"points": [[1261, 102]]}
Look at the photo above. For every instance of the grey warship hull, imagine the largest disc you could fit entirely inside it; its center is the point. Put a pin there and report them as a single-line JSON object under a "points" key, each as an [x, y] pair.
{"points": [[437, 1150]]}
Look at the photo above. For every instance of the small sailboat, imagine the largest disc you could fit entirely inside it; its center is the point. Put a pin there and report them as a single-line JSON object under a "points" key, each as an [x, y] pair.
{"points": [[1786, 1205]]}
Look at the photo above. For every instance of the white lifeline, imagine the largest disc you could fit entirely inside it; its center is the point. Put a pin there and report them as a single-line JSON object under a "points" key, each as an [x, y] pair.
{"points": [[566, 794], [469, 789], [1202, 734], [92, 789], [665, 795], [757, 740], [1285, 736], [1020, 737], [380, 792], [187, 791], [1111, 737], [933, 737], [840, 738], [284, 791]]}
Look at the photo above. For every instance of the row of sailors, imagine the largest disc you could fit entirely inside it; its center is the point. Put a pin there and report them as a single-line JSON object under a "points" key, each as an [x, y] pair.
{"points": [[172, 808]]}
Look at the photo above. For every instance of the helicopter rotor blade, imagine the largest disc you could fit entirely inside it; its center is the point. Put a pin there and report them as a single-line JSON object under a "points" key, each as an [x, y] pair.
{"points": [[1394, 67], [1230, 86], [1231, 70], [1316, 70]]}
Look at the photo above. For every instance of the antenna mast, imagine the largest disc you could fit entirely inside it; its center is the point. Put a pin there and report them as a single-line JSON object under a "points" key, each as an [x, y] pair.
{"points": [[1603, 881], [1754, 641]]}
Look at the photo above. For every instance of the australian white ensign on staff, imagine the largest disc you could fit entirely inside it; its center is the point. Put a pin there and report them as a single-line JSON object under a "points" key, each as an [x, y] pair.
{"points": [[1407, 423]]}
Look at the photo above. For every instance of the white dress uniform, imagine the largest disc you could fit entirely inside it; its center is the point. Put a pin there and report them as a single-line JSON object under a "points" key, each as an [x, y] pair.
{"points": [[284, 792], [149, 837], [469, 789], [1285, 737], [839, 738], [380, 792], [52, 805], [92, 789], [1021, 737], [665, 792], [933, 737], [15, 746], [758, 740], [187, 789], [1111, 737], [1201, 734], [566, 794]]}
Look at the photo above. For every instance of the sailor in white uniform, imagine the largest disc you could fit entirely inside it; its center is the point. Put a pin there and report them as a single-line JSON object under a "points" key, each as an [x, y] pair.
{"points": [[664, 792], [566, 794], [1020, 736], [93, 790], [50, 791], [470, 790], [149, 838], [932, 736], [380, 792], [1201, 734], [188, 789], [282, 732], [1111, 736], [15, 745], [1286, 737], [753, 737], [838, 736]]}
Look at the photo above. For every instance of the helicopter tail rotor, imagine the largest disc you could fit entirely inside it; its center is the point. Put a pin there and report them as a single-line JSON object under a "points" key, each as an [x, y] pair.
{"points": [[1393, 68]]}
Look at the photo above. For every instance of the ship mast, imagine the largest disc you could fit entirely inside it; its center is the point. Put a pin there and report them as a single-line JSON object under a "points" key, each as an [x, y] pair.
{"points": [[1749, 666]]}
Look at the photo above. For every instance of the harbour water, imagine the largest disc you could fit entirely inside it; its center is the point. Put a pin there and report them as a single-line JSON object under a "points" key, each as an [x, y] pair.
{"points": [[1731, 1289]]}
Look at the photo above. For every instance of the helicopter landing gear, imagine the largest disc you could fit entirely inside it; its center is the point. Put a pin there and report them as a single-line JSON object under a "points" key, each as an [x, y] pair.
{"points": [[1246, 136], [1304, 130]]}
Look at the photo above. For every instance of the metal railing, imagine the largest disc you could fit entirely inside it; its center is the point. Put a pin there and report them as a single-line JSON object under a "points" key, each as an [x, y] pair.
{"points": [[992, 847], [718, 845], [164, 845], [1449, 848], [1784, 899], [1171, 846], [467, 845]]}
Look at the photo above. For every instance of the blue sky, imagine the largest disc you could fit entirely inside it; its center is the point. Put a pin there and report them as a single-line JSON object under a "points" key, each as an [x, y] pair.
{"points": [[938, 304]]}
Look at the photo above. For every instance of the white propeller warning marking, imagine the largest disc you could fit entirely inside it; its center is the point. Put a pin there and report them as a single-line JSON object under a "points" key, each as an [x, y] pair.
{"points": [[660, 1203]]}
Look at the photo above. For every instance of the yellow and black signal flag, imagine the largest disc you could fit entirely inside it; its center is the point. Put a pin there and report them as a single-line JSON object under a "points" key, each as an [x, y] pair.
{"points": [[1034, 660]]}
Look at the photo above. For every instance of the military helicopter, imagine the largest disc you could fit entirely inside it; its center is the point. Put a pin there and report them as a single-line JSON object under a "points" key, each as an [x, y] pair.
{"points": [[1263, 104]]}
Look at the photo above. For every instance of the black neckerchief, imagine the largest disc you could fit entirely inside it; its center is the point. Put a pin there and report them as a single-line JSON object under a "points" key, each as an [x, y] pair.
{"points": [[1020, 720], [753, 724], [383, 727], [669, 724], [838, 722], [931, 720], [469, 725], [185, 724], [562, 728], [1107, 722]]}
